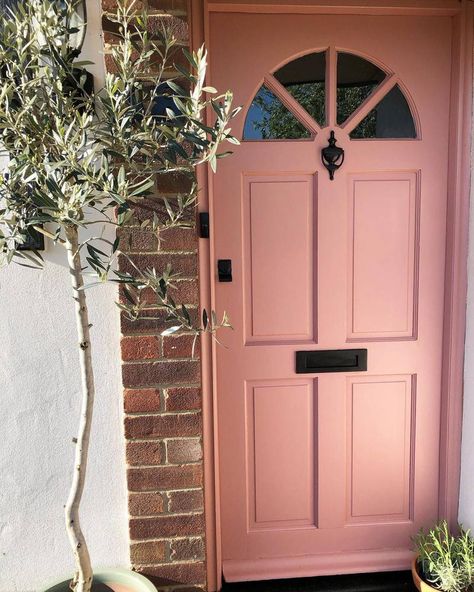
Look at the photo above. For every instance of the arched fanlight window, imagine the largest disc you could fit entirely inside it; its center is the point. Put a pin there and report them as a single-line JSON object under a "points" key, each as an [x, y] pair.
{"points": [[292, 103]]}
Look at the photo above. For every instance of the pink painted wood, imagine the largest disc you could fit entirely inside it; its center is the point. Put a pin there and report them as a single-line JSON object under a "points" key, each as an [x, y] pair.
{"points": [[331, 473]]}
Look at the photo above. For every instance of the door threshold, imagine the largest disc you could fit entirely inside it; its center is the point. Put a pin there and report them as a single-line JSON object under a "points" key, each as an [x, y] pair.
{"points": [[393, 581]]}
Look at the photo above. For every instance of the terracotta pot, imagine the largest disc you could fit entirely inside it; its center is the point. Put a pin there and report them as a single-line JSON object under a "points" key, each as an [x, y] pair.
{"points": [[419, 583], [110, 580]]}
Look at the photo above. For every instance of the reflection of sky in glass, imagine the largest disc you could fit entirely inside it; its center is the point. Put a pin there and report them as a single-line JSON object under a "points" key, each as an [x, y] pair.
{"points": [[269, 119], [255, 115]]}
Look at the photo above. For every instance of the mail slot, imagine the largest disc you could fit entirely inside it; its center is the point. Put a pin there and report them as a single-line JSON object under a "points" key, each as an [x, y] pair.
{"points": [[331, 360]]}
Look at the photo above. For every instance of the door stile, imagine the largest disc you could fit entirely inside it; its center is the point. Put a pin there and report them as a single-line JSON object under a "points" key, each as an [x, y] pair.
{"points": [[199, 32], [459, 183]]}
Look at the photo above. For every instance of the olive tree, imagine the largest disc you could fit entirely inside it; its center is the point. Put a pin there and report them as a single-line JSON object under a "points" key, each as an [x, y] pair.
{"points": [[81, 159]]}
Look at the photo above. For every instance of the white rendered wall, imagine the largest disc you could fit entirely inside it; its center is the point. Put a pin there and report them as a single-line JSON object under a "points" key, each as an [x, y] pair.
{"points": [[39, 409], [466, 499]]}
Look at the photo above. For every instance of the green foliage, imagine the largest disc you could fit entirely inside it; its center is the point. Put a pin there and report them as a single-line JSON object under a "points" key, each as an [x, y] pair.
{"points": [[85, 159], [446, 561]]}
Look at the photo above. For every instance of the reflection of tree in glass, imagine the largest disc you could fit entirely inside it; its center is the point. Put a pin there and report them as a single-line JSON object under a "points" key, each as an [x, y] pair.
{"points": [[349, 98], [277, 122], [312, 97]]}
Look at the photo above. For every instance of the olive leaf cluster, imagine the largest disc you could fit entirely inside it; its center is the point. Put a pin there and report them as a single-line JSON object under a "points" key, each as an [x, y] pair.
{"points": [[446, 561], [85, 159]]}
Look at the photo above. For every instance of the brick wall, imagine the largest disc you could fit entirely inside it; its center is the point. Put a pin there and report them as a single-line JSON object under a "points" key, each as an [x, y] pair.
{"points": [[162, 398]]}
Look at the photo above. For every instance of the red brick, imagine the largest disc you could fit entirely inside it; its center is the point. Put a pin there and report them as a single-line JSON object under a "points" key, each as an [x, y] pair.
{"points": [[153, 67], [178, 239], [109, 37], [149, 552], [141, 348], [145, 453], [185, 501], [145, 504], [166, 526], [187, 549], [111, 5], [175, 573], [148, 479], [182, 399], [183, 291], [146, 208], [137, 240], [110, 64], [173, 183], [168, 5], [176, 26], [184, 450], [163, 426], [156, 373], [152, 320], [141, 400], [184, 265], [181, 346]]}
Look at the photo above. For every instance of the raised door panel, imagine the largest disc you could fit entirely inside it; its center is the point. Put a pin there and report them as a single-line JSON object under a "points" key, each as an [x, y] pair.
{"points": [[279, 258], [380, 437], [383, 256], [281, 457]]}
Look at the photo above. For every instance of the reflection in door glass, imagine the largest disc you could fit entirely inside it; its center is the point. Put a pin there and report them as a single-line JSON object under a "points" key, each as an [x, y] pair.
{"points": [[391, 118], [356, 79], [304, 78], [269, 119]]}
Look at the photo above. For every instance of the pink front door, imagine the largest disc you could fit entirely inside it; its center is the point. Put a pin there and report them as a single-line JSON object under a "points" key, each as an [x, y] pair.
{"points": [[330, 472]]}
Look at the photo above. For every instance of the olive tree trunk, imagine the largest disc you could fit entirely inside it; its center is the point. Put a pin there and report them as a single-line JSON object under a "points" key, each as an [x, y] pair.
{"points": [[83, 575]]}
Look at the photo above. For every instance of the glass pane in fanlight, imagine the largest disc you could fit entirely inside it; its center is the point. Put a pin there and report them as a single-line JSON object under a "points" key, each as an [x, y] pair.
{"points": [[269, 119], [356, 79], [305, 79], [391, 118]]}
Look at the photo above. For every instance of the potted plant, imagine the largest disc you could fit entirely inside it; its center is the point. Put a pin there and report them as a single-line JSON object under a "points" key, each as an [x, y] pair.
{"points": [[80, 160], [444, 561]]}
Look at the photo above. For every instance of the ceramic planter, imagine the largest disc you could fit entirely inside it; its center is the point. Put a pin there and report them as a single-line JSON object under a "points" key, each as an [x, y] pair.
{"points": [[110, 580], [421, 585]]}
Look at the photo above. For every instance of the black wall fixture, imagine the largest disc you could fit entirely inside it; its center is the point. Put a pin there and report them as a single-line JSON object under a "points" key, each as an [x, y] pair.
{"points": [[332, 156], [204, 224], [34, 241], [224, 270]]}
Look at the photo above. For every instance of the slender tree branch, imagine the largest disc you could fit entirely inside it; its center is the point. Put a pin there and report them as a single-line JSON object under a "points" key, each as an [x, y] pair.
{"points": [[50, 235]]}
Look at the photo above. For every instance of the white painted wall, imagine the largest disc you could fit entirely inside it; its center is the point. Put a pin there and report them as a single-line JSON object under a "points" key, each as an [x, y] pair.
{"points": [[39, 409], [466, 499]]}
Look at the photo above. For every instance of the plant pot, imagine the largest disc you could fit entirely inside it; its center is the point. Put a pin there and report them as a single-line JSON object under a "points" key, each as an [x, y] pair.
{"points": [[110, 580], [421, 585]]}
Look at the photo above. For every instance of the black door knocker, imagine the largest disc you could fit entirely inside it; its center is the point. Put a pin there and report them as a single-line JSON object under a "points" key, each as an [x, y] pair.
{"points": [[332, 156]]}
